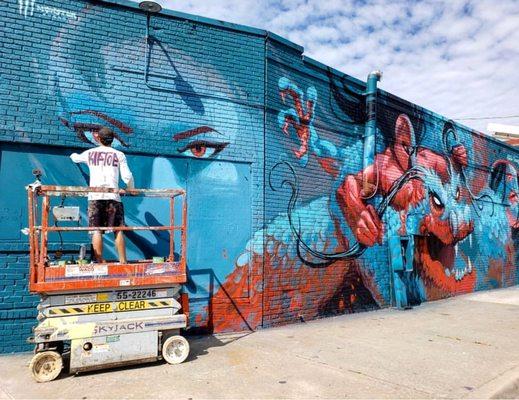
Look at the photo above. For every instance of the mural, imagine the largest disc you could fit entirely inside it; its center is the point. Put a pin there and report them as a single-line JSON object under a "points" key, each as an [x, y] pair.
{"points": [[423, 222], [180, 118], [459, 236], [285, 223]]}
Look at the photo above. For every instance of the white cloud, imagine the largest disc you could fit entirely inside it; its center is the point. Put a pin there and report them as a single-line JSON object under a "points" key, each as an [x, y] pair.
{"points": [[458, 57]]}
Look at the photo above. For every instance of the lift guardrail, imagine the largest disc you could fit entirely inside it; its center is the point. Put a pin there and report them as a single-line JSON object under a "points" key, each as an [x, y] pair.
{"points": [[44, 277]]}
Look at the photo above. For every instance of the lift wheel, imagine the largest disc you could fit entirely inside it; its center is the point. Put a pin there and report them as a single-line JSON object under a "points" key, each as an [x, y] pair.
{"points": [[175, 349], [46, 366]]}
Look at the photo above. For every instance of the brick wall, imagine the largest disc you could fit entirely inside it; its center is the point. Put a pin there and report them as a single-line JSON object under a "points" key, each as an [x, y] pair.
{"points": [[441, 188], [279, 229], [68, 68], [18, 309]]}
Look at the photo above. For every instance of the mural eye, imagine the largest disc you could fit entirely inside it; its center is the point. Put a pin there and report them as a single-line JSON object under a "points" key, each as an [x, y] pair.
{"points": [[458, 193], [202, 149], [436, 200]]}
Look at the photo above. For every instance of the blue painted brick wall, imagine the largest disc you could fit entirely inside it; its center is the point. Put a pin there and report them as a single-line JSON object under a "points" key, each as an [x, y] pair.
{"points": [[314, 143], [278, 120], [17, 306], [58, 59]]}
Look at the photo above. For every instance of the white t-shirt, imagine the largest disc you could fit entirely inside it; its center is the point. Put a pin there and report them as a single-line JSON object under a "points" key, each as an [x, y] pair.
{"points": [[104, 164]]}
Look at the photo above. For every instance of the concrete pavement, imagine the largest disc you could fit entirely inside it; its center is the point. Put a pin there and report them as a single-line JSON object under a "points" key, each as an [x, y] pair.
{"points": [[464, 347]]}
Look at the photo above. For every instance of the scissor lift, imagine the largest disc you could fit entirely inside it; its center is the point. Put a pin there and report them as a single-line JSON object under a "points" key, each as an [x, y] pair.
{"points": [[109, 314]]}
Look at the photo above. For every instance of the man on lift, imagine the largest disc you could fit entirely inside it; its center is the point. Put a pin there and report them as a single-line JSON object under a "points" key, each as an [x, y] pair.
{"points": [[105, 209]]}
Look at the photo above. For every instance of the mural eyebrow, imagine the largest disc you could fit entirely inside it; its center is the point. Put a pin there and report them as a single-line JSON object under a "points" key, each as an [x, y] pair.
{"points": [[80, 128], [118, 124], [193, 132]]}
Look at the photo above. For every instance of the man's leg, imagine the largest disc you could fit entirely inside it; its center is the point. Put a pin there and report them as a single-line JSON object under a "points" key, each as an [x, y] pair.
{"points": [[95, 217], [97, 246], [116, 218], [120, 246]]}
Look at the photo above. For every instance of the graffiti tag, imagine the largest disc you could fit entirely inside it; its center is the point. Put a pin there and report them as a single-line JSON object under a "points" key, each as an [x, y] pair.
{"points": [[28, 7]]}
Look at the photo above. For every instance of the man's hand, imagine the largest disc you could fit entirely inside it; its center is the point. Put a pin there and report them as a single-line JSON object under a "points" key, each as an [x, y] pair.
{"points": [[76, 158]]}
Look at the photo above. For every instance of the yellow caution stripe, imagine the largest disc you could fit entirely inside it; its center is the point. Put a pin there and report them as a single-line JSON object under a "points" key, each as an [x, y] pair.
{"points": [[118, 306]]}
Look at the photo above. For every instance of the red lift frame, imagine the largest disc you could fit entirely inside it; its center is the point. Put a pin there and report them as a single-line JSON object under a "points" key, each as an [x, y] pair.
{"points": [[44, 278]]}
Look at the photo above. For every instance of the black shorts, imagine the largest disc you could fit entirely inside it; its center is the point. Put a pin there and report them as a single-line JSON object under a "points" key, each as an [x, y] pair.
{"points": [[105, 213]]}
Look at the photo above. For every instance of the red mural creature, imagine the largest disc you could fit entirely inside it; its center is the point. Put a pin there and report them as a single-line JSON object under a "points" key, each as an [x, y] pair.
{"points": [[433, 204], [388, 167], [404, 176]]}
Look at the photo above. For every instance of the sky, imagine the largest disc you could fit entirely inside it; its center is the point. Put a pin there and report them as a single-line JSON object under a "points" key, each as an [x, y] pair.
{"points": [[459, 58]]}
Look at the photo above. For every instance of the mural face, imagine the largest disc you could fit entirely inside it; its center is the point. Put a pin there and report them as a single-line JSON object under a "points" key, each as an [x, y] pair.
{"points": [[196, 125], [88, 97]]}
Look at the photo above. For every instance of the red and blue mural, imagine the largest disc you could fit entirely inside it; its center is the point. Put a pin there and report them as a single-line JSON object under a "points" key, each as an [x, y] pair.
{"points": [[433, 216], [288, 219]]}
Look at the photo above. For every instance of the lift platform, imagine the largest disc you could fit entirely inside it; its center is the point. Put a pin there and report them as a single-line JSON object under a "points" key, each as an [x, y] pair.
{"points": [[102, 315]]}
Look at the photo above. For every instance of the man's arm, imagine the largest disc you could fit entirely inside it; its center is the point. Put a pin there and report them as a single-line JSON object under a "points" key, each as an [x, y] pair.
{"points": [[79, 158], [126, 174]]}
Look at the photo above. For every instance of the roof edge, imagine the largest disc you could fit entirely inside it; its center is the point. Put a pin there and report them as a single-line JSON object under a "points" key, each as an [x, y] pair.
{"points": [[280, 39], [191, 17], [335, 71], [212, 22]]}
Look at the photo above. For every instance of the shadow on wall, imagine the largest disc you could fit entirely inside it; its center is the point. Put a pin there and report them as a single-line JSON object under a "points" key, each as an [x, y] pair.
{"points": [[182, 86], [215, 286], [349, 297]]}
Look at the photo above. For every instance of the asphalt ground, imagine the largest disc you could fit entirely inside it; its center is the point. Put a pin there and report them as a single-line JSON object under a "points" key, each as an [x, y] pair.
{"points": [[463, 347]]}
